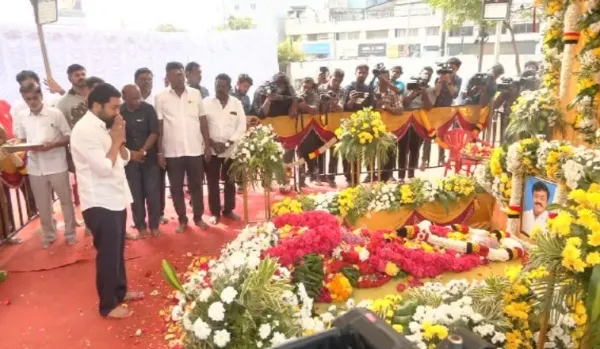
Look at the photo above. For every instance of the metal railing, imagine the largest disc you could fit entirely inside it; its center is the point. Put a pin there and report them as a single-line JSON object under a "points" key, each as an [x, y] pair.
{"points": [[17, 209]]}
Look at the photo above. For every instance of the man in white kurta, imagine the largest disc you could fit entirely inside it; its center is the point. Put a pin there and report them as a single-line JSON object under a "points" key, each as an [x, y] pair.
{"points": [[100, 155]]}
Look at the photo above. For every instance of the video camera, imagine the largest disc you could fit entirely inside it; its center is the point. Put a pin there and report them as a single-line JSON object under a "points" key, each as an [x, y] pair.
{"points": [[270, 88], [379, 68], [416, 84], [444, 68], [517, 83], [480, 79]]}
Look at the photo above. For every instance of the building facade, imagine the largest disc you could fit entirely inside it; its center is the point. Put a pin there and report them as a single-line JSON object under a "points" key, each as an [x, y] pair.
{"points": [[393, 29]]}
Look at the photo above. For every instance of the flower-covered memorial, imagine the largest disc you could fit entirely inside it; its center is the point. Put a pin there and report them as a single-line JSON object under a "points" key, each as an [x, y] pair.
{"points": [[283, 267]]}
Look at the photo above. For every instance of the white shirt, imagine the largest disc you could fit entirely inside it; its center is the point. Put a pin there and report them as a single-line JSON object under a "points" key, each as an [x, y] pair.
{"points": [[49, 125], [530, 221], [150, 100], [100, 183], [225, 124], [181, 122], [20, 109]]}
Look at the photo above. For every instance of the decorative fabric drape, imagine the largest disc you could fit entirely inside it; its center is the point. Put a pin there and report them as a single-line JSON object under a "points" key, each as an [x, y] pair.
{"points": [[292, 131]]}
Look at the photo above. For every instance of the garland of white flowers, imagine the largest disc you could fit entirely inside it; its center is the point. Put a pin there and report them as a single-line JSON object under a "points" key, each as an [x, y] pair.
{"points": [[514, 165], [570, 38]]}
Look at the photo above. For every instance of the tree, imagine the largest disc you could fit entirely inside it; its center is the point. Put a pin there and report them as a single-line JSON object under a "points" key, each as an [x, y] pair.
{"points": [[168, 28], [237, 23], [458, 12], [288, 51]]}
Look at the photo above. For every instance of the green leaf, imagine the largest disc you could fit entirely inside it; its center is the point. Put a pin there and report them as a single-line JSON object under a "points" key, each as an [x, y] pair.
{"points": [[553, 207], [170, 275], [593, 296], [3, 276]]}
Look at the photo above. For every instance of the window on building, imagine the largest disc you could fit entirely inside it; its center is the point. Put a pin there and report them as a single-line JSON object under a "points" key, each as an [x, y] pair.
{"points": [[317, 37], [413, 32], [400, 33], [347, 36], [432, 31], [236, 7], [519, 28], [253, 6], [462, 31], [377, 34]]}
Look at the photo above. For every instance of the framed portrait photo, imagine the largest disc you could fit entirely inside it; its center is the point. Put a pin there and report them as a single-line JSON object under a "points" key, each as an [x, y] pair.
{"points": [[538, 193]]}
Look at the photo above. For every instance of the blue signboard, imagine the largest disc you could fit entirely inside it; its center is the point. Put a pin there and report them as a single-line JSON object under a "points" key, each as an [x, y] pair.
{"points": [[316, 48]]}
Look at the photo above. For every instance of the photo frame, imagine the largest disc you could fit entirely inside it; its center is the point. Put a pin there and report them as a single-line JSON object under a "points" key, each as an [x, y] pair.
{"points": [[538, 193]]}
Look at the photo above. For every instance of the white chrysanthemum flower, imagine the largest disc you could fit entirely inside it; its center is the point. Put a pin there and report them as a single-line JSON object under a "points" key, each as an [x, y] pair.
{"points": [[228, 294], [216, 311], [264, 331], [201, 329], [205, 295], [221, 338], [278, 338], [364, 254]]}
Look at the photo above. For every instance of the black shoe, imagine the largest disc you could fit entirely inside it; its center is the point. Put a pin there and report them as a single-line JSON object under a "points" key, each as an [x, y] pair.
{"points": [[233, 216]]}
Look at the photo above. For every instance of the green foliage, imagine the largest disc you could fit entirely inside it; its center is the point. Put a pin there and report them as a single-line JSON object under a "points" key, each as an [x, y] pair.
{"points": [[237, 23], [170, 275], [458, 11], [168, 28], [289, 51], [3, 276], [351, 274], [309, 271]]}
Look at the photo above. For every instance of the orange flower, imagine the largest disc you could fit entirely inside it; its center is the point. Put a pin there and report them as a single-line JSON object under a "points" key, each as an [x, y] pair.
{"points": [[339, 288]]}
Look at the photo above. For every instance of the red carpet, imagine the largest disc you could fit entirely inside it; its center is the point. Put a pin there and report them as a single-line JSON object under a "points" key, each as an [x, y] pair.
{"points": [[49, 299]]}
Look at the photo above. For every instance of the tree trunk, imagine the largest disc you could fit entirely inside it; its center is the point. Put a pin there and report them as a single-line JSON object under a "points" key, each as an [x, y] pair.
{"points": [[513, 41]]}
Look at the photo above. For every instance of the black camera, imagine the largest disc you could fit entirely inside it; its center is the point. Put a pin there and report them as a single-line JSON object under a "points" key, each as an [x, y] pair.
{"points": [[270, 87], [327, 96], [444, 68], [518, 83], [379, 68], [480, 79], [416, 83]]}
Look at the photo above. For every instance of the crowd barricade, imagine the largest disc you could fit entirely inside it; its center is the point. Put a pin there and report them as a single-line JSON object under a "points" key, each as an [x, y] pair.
{"points": [[428, 124], [17, 208]]}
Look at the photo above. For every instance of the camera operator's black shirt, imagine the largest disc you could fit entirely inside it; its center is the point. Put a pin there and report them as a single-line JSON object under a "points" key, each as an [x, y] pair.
{"points": [[490, 88], [364, 88], [445, 99], [277, 108]]}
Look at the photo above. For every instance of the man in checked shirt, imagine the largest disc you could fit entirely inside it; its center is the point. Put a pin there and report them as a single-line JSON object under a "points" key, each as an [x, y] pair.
{"points": [[386, 99]]}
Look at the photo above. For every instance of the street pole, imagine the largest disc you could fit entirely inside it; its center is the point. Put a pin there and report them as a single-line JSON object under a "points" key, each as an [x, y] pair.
{"points": [[497, 43], [46, 12], [443, 35], [482, 36]]}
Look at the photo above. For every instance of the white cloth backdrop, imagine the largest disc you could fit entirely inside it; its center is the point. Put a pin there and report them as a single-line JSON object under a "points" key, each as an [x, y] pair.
{"points": [[115, 55]]}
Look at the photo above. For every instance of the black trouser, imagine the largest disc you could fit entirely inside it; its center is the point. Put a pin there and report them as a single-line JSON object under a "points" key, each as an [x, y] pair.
{"points": [[214, 169], [408, 147], [177, 170], [387, 170], [143, 180], [108, 229], [162, 189], [427, 152]]}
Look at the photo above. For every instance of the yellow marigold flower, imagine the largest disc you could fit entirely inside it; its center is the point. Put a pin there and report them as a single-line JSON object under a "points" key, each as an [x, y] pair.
{"points": [[592, 258], [391, 269], [399, 328], [517, 310], [561, 224], [594, 239]]}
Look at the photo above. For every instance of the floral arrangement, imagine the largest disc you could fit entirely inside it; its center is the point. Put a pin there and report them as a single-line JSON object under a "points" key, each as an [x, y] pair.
{"points": [[354, 202], [554, 11], [477, 150], [587, 84], [258, 157], [535, 112], [363, 138]]}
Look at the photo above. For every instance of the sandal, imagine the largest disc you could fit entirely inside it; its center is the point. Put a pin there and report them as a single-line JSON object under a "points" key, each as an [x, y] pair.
{"points": [[133, 296]]}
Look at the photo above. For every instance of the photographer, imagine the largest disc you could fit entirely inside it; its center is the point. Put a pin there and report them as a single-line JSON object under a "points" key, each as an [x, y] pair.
{"points": [[397, 85], [447, 87], [323, 76], [421, 96], [482, 86], [308, 103], [386, 99], [331, 96], [277, 98], [358, 93], [509, 90]]}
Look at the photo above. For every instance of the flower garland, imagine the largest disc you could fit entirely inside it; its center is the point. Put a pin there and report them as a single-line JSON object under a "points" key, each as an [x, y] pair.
{"points": [[588, 88], [570, 38]]}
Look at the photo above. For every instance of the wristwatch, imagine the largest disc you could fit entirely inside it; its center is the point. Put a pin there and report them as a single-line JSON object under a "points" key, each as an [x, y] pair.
{"points": [[144, 152], [228, 144]]}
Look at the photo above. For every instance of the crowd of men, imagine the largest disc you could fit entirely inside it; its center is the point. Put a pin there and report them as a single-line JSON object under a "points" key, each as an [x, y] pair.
{"points": [[166, 138]]}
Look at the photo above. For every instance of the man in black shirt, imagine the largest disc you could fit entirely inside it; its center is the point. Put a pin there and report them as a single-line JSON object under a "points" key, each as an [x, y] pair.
{"points": [[240, 92], [358, 93], [193, 75], [142, 171]]}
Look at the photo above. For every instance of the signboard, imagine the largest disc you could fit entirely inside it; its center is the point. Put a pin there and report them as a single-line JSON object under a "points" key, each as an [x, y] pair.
{"points": [[369, 50], [495, 9], [316, 48], [46, 11]]}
